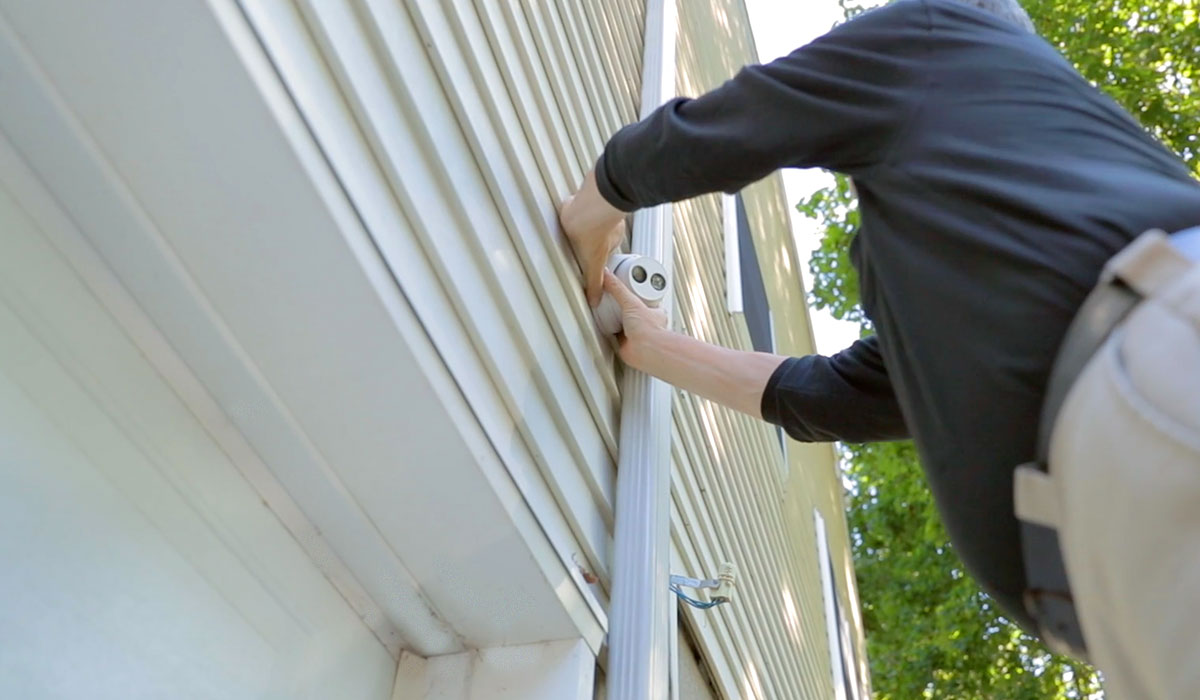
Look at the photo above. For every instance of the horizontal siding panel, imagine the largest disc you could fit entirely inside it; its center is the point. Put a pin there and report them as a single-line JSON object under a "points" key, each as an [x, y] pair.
{"points": [[605, 103], [718, 635], [510, 165], [730, 468], [568, 94], [692, 537], [456, 128], [621, 53], [747, 446], [729, 542], [376, 105], [531, 95]]}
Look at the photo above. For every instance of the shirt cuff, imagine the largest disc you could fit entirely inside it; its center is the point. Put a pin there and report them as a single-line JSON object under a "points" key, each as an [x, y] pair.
{"points": [[770, 398], [608, 189]]}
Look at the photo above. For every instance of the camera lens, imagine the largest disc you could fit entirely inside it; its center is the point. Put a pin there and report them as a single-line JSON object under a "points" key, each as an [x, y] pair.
{"points": [[638, 274], [658, 282]]}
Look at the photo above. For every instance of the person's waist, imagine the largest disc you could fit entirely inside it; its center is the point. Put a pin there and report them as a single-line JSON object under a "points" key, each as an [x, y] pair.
{"points": [[1048, 595], [1102, 311]]}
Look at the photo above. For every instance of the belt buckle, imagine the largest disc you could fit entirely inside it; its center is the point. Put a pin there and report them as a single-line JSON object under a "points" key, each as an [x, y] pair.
{"points": [[1048, 594], [1057, 620]]}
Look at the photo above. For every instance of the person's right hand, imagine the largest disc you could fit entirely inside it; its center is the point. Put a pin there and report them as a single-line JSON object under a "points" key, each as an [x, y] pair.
{"points": [[594, 228], [640, 324]]}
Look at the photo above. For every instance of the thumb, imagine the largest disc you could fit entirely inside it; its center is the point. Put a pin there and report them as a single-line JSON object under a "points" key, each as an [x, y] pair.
{"points": [[624, 295]]}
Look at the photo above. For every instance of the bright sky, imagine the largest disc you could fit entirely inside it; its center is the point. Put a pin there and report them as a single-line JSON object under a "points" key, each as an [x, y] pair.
{"points": [[781, 26]]}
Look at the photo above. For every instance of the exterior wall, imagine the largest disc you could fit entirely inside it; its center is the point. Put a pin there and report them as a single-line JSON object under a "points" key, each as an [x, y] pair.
{"points": [[774, 638], [409, 157], [242, 268], [457, 128]]}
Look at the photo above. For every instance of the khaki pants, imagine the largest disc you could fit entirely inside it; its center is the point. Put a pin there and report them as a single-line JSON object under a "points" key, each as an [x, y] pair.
{"points": [[1125, 482]]}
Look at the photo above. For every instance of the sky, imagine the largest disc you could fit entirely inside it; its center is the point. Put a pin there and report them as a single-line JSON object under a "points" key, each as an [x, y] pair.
{"points": [[781, 26]]}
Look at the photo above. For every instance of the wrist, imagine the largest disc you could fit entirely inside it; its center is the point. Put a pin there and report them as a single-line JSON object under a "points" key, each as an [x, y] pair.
{"points": [[588, 211], [648, 350]]}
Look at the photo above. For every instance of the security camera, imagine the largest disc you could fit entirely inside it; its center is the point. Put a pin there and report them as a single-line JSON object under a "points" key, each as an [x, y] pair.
{"points": [[646, 277]]}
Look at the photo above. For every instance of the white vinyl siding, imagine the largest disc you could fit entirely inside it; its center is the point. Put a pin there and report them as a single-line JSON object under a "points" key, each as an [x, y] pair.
{"points": [[727, 467], [456, 129], [138, 562]]}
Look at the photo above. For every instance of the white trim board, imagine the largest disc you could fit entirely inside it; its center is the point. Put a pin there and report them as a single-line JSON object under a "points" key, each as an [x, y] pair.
{"points": [[561, 670]]}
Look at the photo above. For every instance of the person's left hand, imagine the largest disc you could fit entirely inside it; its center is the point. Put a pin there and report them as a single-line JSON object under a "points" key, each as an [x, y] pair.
{"points": [[595, 228]]}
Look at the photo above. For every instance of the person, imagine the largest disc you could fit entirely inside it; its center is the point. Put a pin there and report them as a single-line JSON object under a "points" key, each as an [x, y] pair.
{"points": [[995, 185]]}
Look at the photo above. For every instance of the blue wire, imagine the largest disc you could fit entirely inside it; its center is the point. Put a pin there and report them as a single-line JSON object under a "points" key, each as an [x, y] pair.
{"points": [[693, 602]]}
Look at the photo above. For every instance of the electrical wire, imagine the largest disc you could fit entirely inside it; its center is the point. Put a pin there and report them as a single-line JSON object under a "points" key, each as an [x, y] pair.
{"points": [[699, 604]]}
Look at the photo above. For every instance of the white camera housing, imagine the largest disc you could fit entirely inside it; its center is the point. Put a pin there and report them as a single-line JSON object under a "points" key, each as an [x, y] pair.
{"points": [[646, 277]]}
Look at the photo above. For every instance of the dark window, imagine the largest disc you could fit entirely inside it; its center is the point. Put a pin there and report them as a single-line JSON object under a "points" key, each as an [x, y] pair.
{"points": [[754, 294], [756, 310]]}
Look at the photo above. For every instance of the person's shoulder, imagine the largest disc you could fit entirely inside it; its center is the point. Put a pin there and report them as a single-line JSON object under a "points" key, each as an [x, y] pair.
{"points": [[965, 15], [899, 13], [895, 10]]}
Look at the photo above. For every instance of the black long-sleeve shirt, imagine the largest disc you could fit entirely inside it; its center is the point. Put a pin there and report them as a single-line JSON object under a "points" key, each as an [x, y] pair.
{"points": [[994, 182]]}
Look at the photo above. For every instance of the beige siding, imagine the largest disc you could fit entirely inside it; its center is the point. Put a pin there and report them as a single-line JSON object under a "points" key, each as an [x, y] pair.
{"points": [[735, 498]]}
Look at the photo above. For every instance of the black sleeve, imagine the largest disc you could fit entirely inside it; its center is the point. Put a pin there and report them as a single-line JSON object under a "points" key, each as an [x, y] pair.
{"points": [[846, 397], [835, 103]]}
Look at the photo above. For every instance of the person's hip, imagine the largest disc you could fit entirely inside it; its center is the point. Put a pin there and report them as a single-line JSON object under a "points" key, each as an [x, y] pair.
{"points": [[1125, 466], [1148, 279]]}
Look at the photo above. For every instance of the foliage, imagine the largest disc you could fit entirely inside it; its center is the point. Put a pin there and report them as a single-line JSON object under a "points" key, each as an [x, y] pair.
{"points": [[931, 631], [835, 287], [1145, 54]]}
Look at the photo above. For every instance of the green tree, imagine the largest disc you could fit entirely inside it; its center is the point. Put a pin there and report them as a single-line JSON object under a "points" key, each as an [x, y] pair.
{"points": [[931, 631]]}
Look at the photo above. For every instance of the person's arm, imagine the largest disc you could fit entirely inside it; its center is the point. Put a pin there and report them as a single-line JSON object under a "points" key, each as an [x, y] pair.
{"points": [[814, 398], [836, 103], [847, 397], [733, 378], [839, 102]]}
